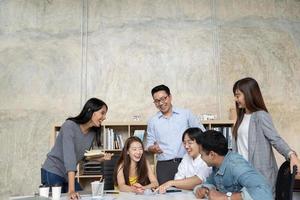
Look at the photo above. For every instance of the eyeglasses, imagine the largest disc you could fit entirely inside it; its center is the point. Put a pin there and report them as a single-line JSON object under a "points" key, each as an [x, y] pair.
{"points": [[188, 143], [161, 100]]}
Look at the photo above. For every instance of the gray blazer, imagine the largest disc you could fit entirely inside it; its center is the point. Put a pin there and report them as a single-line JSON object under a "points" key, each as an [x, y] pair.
{"points": [[262, 136]]}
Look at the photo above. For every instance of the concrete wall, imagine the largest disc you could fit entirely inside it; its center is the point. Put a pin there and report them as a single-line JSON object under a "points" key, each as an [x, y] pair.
{"points": [[54, 54]]}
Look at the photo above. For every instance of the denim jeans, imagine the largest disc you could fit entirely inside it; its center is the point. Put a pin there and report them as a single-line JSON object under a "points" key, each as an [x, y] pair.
{"points": [[48, 178]]}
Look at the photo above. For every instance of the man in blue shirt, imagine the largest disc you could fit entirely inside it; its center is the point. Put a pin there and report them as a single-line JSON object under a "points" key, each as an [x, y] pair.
{"points": [[164, 133], [233, 178]]}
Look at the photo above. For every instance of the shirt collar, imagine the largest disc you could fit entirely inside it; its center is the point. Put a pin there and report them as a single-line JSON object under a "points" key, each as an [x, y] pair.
{"points": [[222, 168], [174, 111]]}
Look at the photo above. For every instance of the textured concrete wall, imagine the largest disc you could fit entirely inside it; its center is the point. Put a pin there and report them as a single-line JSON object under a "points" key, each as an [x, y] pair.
{"points": [[56, 54]]}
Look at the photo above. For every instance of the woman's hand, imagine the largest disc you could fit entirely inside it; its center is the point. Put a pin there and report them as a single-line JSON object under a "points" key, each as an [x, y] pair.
{"points": [[107, 156], [163, 188], [138, 188], [295, 161], [73, 195]]}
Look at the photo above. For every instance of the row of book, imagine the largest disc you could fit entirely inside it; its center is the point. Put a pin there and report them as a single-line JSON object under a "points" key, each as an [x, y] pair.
{"points": [[113, 140]]}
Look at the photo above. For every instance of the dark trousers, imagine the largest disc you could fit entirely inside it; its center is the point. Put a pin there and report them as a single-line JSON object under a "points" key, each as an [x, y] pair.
{"points": [[166, 170], [50, 179]]}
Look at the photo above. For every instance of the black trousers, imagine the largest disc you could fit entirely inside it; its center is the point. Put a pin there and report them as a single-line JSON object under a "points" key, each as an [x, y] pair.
{"points": [[166, 170]]}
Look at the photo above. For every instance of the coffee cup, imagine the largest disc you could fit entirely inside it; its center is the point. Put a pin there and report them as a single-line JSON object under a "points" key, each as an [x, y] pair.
{"points": [[44, 191], [97, 188], [56, 192]]}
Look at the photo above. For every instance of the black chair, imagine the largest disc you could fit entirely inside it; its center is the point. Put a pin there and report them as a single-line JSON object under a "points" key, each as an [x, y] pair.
{"points": [[285, 182], [108, 172]]}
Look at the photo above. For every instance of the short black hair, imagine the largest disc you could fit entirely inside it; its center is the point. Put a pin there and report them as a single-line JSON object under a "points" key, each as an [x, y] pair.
{"points": [[212, 140], [192, 132], [160, 88]]}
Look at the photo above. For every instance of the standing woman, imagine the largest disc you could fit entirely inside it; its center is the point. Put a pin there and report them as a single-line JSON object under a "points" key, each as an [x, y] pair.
{"points": [[76, 135], [254, 132]]}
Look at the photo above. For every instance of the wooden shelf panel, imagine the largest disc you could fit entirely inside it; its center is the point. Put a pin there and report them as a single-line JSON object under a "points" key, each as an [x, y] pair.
{"points": [[88, 176]]}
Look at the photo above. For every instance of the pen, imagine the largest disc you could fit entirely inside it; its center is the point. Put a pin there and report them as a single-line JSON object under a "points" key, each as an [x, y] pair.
{"points": [[169, 191], [111, 192]]}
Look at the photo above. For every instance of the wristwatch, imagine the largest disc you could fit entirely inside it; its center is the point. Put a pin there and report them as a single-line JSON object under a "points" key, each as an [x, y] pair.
{"points": [[228, 195]]}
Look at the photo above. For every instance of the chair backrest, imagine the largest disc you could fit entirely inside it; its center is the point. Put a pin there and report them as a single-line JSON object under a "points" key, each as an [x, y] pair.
{"points": [[285, 182], [108, 171]]}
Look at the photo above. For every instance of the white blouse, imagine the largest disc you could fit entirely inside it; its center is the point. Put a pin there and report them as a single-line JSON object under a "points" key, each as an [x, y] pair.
{"points": [[189, 167], [242, 136]]}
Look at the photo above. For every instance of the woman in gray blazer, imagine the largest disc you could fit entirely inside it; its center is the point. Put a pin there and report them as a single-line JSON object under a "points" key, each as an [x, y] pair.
{"points": [[254, 133]]}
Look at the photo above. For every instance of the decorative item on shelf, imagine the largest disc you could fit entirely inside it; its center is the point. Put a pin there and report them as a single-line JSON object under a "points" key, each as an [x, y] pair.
{"points": [[205, 117], [136, 117]]}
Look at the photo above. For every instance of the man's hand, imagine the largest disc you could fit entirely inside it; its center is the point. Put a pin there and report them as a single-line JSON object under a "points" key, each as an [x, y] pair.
{"points": [[155, 148], [216, 195], [163, 188], [202, 193]]}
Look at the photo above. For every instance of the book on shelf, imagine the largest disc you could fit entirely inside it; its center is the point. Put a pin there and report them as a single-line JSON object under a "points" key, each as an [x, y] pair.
{"points": [[120, 141], [139, 133], [113, 140]]}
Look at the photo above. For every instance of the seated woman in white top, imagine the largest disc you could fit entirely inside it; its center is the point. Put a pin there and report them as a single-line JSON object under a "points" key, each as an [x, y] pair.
{"points": [[192, 170]]}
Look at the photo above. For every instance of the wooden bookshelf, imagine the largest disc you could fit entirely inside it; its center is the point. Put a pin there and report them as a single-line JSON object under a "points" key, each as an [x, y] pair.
{"points": [[126, 129]]}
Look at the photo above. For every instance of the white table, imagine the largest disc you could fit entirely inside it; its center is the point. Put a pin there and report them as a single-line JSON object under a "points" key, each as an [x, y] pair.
{"points": [[127, 196]]}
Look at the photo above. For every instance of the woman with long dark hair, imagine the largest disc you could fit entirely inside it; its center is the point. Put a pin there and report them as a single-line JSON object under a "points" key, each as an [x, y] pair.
{"points": [[254, 133], [76, 135], [133, 172]]}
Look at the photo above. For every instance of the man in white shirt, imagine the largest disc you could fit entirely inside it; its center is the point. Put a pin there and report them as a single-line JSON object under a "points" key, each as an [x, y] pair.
{"points": [[192, 170]]}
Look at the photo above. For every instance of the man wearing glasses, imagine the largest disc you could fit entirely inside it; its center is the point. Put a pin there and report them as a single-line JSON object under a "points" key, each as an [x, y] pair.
{"points": [[164, 133]]}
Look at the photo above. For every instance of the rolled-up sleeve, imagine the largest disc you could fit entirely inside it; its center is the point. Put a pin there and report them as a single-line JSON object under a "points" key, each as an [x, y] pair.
{"points": [[181, 170], [150, 134], [203, 171]]}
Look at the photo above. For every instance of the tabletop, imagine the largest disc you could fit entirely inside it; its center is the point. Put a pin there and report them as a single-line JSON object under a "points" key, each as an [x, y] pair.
{"points": [[123, 195]]}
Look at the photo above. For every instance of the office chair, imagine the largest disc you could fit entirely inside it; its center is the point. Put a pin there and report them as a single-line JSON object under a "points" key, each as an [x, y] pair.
{"points": [[108, 172], [285, 182]]}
